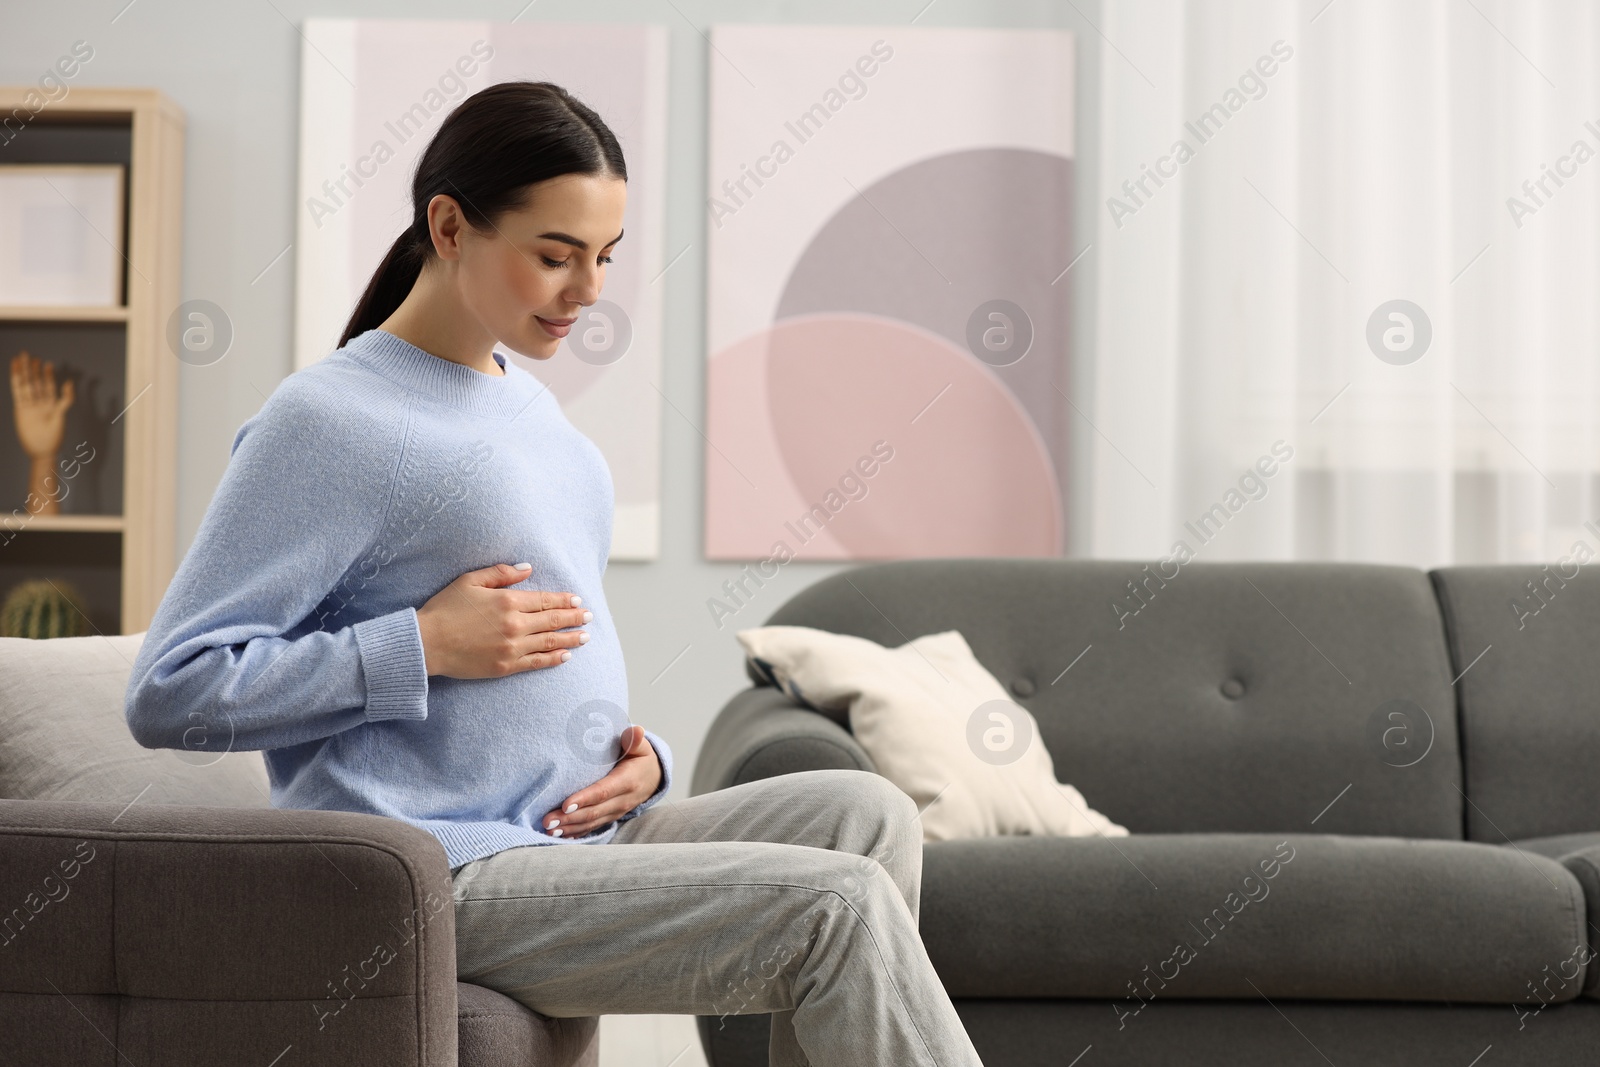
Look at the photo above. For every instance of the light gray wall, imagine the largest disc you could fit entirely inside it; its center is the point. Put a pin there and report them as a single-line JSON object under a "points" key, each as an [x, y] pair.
{"points": [[234, 69]]}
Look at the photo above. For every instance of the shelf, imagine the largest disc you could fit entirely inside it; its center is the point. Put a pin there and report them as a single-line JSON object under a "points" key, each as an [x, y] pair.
{"points": [[61, 313], [82, 563], [121, 558], [55, 523]]}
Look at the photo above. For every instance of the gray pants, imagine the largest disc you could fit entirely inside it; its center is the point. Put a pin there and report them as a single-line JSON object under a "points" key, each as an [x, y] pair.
{"points": [[795, 895]]}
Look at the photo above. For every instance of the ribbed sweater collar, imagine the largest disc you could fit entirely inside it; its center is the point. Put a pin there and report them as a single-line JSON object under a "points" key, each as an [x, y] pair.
{"points": [[445, 380]]}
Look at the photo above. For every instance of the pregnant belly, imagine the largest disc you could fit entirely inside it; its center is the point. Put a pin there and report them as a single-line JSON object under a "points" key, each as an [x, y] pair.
{"points": [[499, 748]]}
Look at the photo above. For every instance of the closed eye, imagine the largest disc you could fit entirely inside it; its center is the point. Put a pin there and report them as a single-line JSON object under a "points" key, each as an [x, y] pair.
{"points": [[557, 264]]}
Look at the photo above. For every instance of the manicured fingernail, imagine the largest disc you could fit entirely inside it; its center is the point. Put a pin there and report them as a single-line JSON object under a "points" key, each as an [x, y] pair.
{"points": [[522, 566], [570, 808], [583, 639], [556, 833], [576, 600], [565, 656], [552, 824], [588, 616]]}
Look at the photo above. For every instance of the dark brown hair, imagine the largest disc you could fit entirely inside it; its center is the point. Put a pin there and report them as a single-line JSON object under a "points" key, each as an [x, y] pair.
{"points": [[486, 153]]}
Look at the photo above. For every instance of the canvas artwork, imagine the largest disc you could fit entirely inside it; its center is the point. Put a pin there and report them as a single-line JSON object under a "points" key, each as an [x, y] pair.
{"points": [[61, 234], [373, 92], [889, 220]]}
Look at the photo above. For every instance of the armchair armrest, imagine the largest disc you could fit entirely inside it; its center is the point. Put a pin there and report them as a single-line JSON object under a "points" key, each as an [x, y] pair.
{"points": [[223, 935], [763, 732]]}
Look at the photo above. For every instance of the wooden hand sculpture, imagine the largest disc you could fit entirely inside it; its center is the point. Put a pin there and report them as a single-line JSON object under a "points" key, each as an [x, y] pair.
{"points": [[40, 412]]}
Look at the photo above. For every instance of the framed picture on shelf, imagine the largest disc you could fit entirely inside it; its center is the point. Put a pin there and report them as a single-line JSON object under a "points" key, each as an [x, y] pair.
{"points": [[61, 234]]}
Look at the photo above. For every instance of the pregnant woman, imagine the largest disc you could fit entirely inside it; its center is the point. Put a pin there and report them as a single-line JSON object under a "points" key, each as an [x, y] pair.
{"points": [[396, 594]]}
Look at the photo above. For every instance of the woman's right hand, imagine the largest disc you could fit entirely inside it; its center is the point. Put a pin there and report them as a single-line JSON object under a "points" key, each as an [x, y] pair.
{"points": [[473, 628]]}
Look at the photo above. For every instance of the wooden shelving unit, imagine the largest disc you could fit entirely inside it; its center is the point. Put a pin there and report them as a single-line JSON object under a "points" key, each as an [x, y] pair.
{"points": [[87, 523], [121, 561], [62, 314]]}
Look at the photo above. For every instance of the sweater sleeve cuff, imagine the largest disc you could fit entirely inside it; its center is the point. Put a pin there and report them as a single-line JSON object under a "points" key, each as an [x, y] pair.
{"points": [[664, 757], [394, 667]]}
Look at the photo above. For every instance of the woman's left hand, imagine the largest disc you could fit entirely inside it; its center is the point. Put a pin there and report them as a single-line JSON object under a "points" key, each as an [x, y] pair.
{"points": [[630, 783]]}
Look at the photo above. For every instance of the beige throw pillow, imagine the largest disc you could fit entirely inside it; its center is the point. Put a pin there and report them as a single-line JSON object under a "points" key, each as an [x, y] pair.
{"points": [[937, 724], [64, 734]]}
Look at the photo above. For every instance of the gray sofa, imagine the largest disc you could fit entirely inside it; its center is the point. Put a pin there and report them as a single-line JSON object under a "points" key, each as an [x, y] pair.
{"points": [[1364, 805], [155, 909]]}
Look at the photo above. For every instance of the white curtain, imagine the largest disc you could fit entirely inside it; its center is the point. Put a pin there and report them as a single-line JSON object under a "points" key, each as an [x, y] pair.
{"points": [[1374, 163]]}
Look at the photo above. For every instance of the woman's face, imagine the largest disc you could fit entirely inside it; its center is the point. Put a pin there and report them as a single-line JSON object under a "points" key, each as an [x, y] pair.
{"points": [[529, 276]]}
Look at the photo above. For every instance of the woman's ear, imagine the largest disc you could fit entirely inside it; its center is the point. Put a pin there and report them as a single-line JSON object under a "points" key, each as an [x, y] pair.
{"points": [[445, 226]]}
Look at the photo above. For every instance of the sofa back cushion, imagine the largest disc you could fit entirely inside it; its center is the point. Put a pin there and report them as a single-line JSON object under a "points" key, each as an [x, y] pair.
{"points": [[1248, 697], [1530, 698], [64, 735]]}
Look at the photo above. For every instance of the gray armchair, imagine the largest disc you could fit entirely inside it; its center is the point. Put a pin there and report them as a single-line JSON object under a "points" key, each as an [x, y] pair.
{"points": [[155, 909]]}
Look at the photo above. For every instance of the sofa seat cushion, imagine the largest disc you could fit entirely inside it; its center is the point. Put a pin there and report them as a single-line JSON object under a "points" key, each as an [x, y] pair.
{"points": [[1580, 854], [1248, 915], [495, 1031]]}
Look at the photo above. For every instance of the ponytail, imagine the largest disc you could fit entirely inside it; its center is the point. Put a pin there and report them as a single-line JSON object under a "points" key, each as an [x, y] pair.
{"points": [[486, 153], [391, 283]]}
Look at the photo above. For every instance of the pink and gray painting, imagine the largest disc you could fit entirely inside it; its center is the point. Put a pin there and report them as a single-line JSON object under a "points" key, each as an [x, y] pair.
{"points": [[929, 316]]}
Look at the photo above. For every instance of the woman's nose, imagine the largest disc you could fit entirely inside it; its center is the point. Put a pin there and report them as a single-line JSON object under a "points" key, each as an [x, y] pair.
{"points": [[585, 290]]}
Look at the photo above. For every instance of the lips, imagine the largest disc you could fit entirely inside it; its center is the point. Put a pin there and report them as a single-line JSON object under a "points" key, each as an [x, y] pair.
{"points": [[556, 327]]}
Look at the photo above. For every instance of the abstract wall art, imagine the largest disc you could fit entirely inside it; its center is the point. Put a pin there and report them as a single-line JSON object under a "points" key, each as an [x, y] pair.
{"points": [[889, 219]]}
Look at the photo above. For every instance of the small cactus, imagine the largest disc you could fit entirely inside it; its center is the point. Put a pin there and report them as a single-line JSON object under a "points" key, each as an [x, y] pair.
{"points": [[42, 609]]}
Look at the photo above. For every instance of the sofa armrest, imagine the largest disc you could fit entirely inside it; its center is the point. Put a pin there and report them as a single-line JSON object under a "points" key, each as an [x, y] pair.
{"points": [[223, 935], [763, 732]]}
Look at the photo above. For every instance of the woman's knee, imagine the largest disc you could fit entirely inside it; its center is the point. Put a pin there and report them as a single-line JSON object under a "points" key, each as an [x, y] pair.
{"points": [[878, 820], [900, 813], [867, 791]]}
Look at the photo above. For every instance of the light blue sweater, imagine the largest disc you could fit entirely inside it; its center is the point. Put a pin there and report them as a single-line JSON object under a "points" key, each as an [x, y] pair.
{"points": [[365, 484]]}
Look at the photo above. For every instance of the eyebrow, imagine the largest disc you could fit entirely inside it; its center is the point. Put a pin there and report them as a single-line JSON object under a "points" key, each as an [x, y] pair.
{"points": [[582, 246]]}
